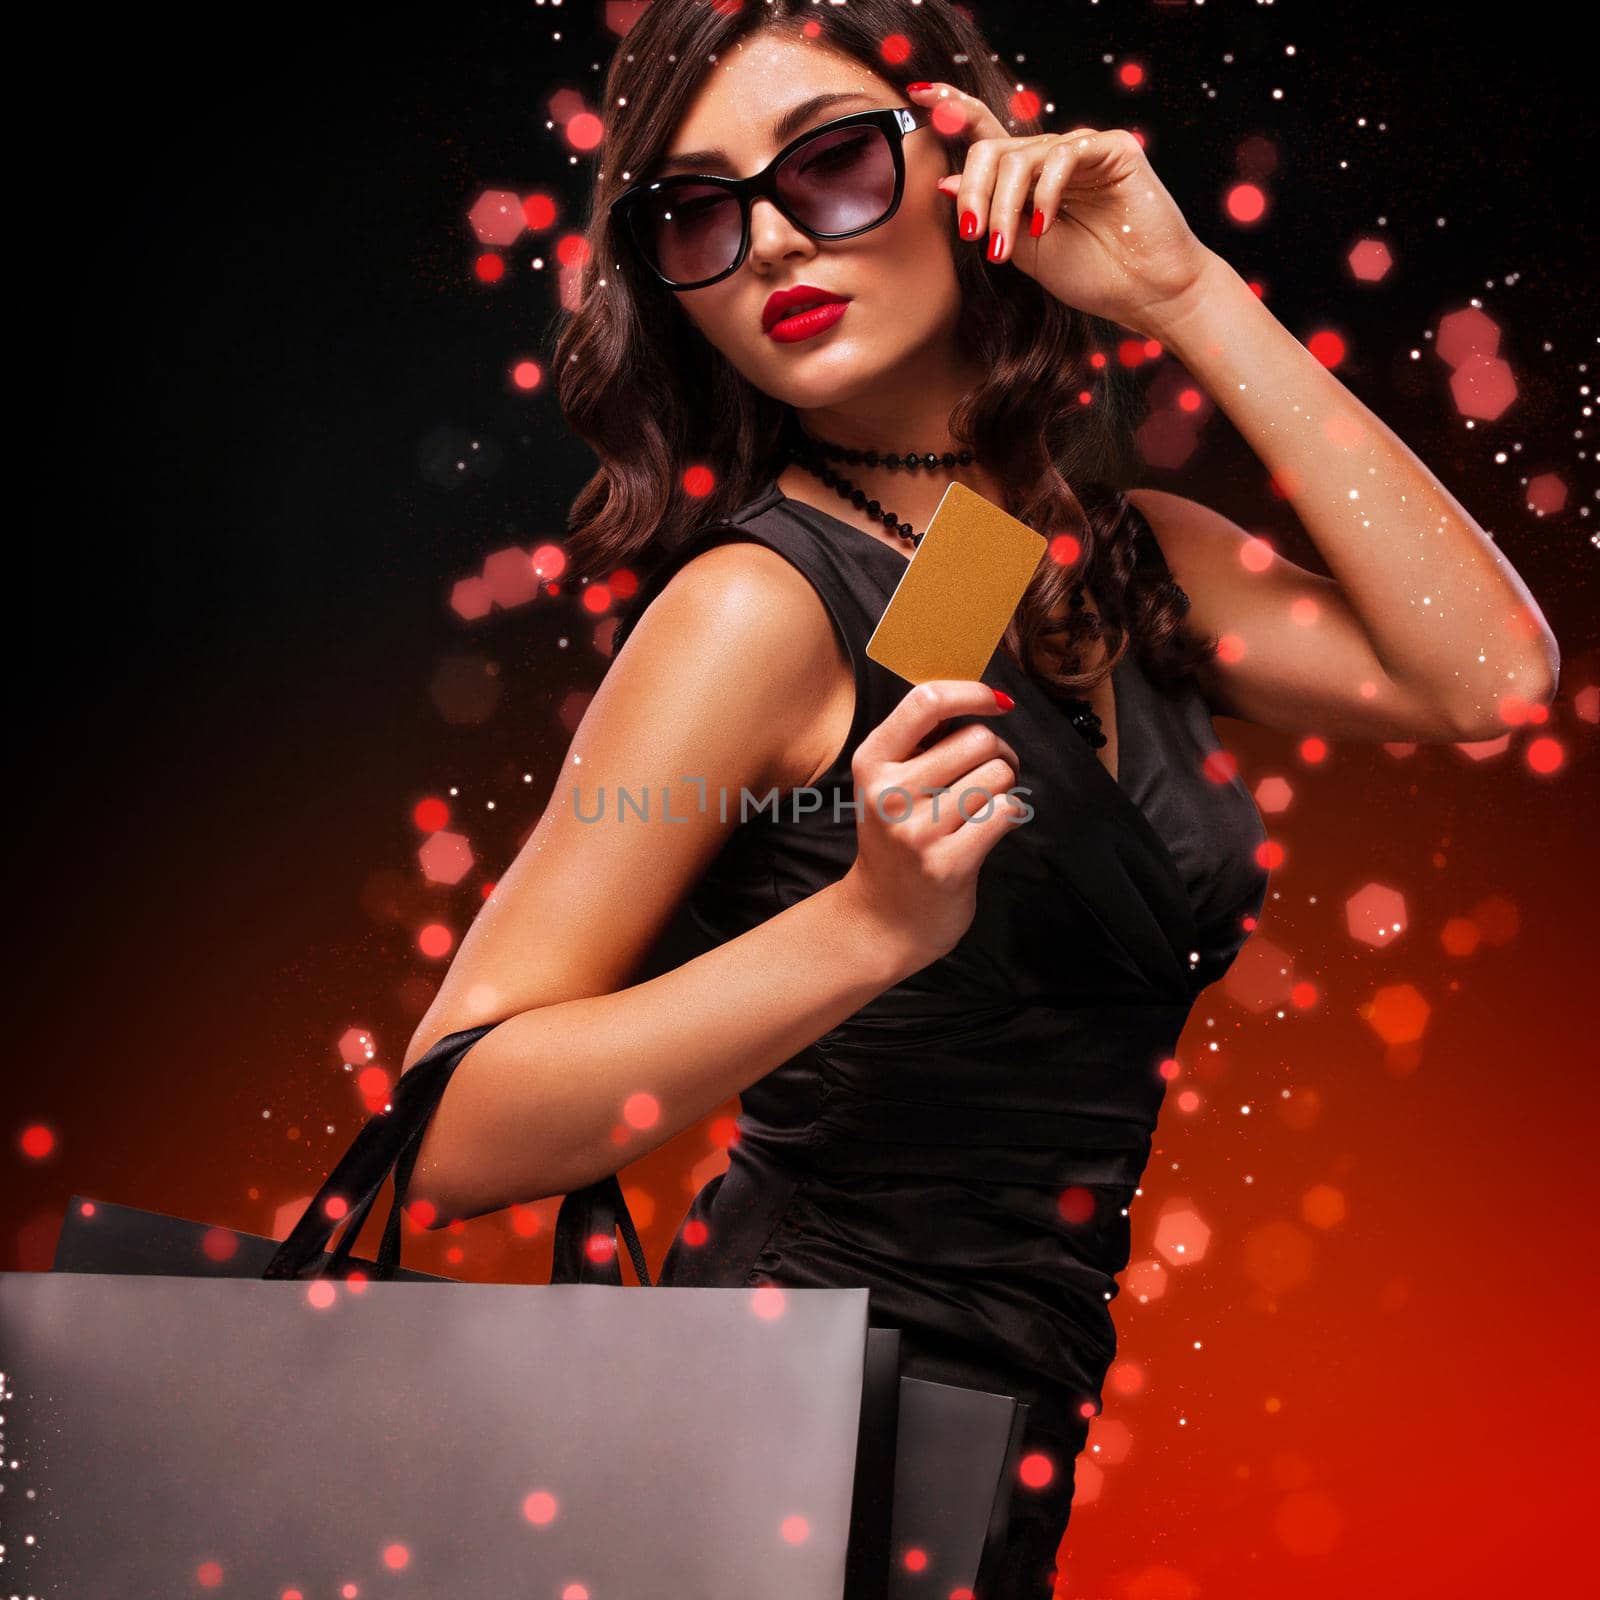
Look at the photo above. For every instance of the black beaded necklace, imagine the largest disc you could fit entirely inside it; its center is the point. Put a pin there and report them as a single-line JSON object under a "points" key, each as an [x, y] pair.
{"points": [[807, 451]]}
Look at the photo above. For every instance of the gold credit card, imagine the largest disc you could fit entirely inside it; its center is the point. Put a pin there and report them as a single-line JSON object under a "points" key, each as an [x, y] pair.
{"points": [[958, 592]]}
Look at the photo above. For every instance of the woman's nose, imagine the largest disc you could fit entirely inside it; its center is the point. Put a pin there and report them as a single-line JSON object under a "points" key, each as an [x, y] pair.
{"points": [[772, 234]]}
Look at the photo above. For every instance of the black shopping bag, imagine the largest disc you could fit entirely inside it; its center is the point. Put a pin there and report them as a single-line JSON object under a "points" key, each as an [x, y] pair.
{"points": [[503, 1377]]}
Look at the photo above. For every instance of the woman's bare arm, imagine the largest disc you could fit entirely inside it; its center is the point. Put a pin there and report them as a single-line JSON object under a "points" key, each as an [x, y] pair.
{"points": [[722, 686]]}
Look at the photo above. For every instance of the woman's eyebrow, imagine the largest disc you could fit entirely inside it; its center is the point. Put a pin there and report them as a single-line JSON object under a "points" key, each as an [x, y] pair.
{"points": [[784, 128]]}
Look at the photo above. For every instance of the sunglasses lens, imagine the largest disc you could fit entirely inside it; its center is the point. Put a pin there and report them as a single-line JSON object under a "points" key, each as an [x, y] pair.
{"points": [[688, 232], [840, 181]]}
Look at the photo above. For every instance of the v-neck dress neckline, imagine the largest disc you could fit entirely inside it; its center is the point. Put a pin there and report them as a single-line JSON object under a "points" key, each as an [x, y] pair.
{"points": [[1114, 791]]}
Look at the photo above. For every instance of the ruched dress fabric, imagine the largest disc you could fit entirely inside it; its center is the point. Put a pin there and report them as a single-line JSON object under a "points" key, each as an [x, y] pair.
{"points": [[923, 1147]]}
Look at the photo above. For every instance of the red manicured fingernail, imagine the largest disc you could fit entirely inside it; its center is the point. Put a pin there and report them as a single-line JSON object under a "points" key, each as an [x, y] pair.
{"points": [[910, 87], [969, 224], [1003, 700], [1036, 227], [997, 244]]}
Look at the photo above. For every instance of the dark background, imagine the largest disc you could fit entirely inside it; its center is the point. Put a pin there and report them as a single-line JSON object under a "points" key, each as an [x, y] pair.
{"points": [[261, 347]]}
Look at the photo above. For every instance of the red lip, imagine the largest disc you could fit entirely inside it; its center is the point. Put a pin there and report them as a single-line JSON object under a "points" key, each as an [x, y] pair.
{"points": [[783, 302]]}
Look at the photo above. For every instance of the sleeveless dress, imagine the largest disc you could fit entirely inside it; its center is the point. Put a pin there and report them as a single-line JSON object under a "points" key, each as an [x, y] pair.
{"points": [[967, 1144]]}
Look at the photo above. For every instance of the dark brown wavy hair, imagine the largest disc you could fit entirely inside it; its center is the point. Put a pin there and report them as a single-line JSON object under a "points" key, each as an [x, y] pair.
{"points": [[651, 395]]}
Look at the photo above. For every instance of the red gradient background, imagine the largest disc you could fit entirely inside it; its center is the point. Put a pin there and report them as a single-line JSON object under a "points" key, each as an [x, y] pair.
{"points": [[1374, 1378]]}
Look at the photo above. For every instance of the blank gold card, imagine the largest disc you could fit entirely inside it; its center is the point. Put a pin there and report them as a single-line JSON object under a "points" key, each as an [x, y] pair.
{"points": [[958, 592]]}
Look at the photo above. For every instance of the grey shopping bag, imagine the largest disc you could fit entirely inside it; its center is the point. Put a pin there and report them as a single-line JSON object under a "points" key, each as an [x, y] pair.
{"points": [[947, 1497]]}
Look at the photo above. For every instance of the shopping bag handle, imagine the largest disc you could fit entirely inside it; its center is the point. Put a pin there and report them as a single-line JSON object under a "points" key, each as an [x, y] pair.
{"points": [[392, 1139]]}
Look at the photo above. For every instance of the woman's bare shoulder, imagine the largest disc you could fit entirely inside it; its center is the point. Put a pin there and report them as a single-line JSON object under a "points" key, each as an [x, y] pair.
{"points": [[736, 626]]}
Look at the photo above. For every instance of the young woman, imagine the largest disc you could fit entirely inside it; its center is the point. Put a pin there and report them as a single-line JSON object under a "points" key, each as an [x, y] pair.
{"points": [[947, 1026]]}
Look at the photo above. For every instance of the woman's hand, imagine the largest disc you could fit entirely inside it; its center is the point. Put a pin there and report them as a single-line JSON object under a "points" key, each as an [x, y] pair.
{"points": [[1100, 231], [932, 808]]}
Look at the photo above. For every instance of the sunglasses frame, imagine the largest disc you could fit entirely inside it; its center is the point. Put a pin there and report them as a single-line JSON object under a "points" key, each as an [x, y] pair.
{"points": [[895, 122]]}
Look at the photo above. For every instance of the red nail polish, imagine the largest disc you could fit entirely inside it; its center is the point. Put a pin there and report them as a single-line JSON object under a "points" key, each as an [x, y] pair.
{"points": [[997, 243], [912, 86], [1003, 700], [969, 224], [1036, 227]]}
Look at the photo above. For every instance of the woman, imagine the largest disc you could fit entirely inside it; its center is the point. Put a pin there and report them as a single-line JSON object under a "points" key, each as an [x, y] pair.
{"points": [[949, 1030]]}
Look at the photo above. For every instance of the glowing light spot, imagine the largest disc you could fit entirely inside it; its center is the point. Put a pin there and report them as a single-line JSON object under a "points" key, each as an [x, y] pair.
{"points": [[37, 1141], [396, 1557], [1255, 555], [1065, 550], [1545, 755], [1304, 612], [600, 1247], [1303, 995], [948, 117], [1269, 854], [1245, 202], [699, 481], [1130, 75], [208, 1574], [319, 1294], [1277, 1256], [539, 1508], [1323, 1206], [584, 131], [895, 49], [572, 250], [489, 267], [422, 1213], [219, 1244], [1327, 347], [795, 1530], [596, 598], [1460, 936], [1024, 105], [1076, 1204], [435, 940], [430, 815], [373, 1082], [1220, 766], [641, 1110], [1397, 1013], [538, 210], [1313, 750], [695, 1233], [1126, 1378], [768, 1302], [1170, 1069], [1036, 1469], [1230, 648], [1189, 400], [1182, 1238], [496, 217], [1369, 260], [527, 375], [1188, 1101], [916, 1560]]}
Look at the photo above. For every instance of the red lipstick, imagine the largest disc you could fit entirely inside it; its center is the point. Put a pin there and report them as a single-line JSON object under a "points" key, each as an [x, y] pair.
{"points": [[801, 312]]}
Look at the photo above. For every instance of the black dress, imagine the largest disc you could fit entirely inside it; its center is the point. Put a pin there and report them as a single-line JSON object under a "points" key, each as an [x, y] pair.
{"points": [[942, 1145]]}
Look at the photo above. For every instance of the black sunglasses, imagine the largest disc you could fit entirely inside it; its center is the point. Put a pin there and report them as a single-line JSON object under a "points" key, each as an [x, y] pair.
{"points": [[836, 181]]}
